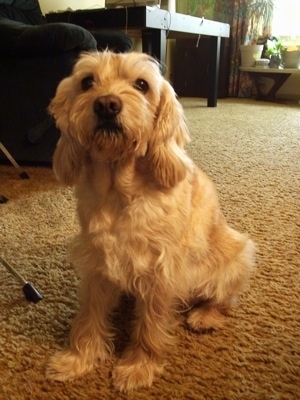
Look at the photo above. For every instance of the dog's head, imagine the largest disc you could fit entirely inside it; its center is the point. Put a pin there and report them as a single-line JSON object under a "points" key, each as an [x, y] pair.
{"points": [[115, 107]]}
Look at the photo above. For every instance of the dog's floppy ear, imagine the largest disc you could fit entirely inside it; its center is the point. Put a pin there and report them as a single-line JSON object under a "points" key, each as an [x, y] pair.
{"points": [[67, 160], [168, 160], [68, 156]]}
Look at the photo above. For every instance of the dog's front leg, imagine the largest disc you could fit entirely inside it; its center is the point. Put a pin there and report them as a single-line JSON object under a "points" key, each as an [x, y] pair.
{"points": [[91, 335], [150, 339]]}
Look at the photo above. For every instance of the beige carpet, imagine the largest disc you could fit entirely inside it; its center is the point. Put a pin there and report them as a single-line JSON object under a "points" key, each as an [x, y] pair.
{"points": [[252, 151]]}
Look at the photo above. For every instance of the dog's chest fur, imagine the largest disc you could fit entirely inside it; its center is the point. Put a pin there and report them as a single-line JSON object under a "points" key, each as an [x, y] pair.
{"points": [[131, 223]]}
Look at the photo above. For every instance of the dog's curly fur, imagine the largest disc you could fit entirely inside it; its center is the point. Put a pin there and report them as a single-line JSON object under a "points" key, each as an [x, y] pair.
{"points": [[151, 225]]}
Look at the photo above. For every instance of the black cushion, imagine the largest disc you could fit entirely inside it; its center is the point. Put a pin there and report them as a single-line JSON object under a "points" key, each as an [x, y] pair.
{"points": [[18, 39], [114, 40], [27, 11]]}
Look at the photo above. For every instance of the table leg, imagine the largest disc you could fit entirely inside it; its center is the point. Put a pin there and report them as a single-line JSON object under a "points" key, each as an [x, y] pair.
{"points": [[154, 42], [214, 63], [278, 81]]}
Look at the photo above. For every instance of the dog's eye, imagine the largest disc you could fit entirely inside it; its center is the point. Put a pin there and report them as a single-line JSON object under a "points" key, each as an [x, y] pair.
{"points": [[87, 83], [141, 85]]}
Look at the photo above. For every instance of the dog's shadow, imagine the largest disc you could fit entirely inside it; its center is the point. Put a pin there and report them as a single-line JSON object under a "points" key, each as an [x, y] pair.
{"points": [[122, 319]]}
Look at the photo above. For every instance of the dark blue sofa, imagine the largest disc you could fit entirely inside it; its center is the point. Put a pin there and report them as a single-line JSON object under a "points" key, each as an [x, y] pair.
{"points": [[34, 57]]}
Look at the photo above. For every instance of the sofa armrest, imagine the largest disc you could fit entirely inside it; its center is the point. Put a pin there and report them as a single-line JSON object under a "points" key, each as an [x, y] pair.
{"points": [[18, 39]]}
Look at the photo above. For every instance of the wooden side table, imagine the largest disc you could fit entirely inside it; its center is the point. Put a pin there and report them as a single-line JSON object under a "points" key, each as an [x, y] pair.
{"points": [[277, 75]]}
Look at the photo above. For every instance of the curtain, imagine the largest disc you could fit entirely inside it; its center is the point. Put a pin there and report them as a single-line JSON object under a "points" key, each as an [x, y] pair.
{"points": [[240, 84], [236, 14]]}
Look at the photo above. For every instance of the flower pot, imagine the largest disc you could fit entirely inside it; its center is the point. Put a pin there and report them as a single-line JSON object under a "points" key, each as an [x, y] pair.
{"points": [[250, 53], [292, 59]]}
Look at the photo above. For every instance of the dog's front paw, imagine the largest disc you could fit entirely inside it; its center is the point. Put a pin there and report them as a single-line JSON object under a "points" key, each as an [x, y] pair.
{"points": [[205, 319], [67, 365], [128, 376]]}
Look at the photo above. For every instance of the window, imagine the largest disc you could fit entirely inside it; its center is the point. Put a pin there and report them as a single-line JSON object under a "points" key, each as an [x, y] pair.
{"points": [[286, 21]]}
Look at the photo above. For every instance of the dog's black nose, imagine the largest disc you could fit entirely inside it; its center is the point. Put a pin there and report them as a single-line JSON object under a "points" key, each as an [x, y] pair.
{"points": [[107, 106]]}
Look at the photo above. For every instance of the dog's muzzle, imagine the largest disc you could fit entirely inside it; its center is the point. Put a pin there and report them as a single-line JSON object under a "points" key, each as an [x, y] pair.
{"points": [[107, 108]]}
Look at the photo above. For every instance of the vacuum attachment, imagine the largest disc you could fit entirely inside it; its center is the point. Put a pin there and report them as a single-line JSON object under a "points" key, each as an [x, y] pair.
{"points": [[22, 174], [30, 292]]}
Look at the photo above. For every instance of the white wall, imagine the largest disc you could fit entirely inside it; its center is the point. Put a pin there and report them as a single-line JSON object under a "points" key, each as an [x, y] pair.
{"points": [[59, 5]]}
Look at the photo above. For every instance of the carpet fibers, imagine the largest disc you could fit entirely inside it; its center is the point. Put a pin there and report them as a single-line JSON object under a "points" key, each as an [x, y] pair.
{"points": [[252, 151]]}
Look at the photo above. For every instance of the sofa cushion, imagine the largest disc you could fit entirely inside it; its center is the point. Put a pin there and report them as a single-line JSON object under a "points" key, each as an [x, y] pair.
{"points": [[18, 39], [26, 11]]}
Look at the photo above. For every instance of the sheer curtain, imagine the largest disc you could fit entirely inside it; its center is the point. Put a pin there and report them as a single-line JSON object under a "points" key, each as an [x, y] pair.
{"points": [[286, 21]]}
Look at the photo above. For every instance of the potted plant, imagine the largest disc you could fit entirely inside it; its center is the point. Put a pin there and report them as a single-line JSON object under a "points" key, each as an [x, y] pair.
{"points": [[275, 51], [258, 14], [292, 57]]}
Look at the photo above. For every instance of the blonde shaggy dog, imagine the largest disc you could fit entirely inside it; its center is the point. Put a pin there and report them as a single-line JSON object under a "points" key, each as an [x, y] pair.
{"points": [[151, 224]]}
